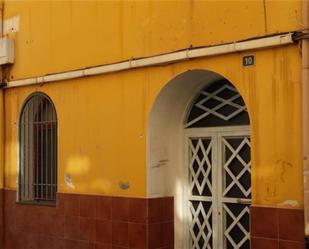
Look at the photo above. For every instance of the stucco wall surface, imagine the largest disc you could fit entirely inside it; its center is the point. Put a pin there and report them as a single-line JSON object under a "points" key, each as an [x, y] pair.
{"points": [[103, 123], [55, 36]]}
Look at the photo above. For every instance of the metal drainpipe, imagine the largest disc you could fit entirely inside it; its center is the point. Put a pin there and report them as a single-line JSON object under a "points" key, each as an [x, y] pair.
{"points": [[2, 140], [305, 112]]}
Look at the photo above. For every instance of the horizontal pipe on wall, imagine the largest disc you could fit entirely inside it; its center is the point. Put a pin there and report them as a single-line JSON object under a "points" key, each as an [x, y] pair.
{"points": [[183, 55]]}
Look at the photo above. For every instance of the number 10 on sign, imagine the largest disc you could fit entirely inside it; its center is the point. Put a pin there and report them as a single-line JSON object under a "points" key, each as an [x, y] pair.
{"points": [[248, 60]]}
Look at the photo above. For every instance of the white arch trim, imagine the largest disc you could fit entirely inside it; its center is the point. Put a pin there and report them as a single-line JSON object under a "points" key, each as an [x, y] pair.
{"points": [[165, 139]]}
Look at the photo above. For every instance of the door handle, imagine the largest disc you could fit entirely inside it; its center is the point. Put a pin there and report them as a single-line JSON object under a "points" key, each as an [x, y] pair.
{"points": [[243, 201]]}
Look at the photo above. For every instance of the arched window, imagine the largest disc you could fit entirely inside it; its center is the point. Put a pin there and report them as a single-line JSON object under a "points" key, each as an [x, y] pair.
{"points": [[38, 150], [219, 104]]}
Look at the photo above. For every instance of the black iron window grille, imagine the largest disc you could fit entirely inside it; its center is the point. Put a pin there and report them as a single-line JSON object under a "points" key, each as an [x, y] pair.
{"points": [[38, 151]]}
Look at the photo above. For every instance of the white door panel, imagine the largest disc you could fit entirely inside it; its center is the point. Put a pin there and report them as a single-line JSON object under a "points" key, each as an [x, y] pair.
{"points": [[219, 187]]}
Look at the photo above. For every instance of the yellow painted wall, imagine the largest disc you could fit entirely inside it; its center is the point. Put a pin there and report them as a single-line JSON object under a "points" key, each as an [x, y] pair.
{"points": [[272, 92], [100, 130], [61, 35], [103, 123], [103, 119]]}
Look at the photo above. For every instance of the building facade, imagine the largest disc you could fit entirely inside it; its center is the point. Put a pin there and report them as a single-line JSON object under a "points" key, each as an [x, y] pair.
{"points": [[153, 125]]}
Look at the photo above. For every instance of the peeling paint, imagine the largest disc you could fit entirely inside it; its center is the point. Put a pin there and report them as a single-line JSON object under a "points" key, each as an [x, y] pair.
{"points": [[289, 203], [11, 25], [162, 162], [282, 168], [69, 181]]}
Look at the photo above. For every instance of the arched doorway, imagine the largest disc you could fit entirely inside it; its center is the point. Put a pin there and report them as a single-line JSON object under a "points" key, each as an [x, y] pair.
{"points": [[217, 159], [199, 153]]}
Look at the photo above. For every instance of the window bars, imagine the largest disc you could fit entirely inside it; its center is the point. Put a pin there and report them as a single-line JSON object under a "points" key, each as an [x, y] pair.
{"points": [[219, 104], [38, 150]]}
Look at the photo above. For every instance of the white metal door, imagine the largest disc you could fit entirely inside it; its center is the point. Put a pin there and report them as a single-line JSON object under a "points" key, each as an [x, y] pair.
{"points": [[219, 187]]}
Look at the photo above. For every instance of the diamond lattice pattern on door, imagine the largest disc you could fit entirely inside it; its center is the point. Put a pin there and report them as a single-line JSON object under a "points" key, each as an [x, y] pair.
{"points": [[237, 171], [201, 225], [200, 167]]}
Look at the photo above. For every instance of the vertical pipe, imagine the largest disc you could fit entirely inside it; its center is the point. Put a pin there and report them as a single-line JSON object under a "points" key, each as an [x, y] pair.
{"points": [[2, 143], [2, 172], [305, 110]]}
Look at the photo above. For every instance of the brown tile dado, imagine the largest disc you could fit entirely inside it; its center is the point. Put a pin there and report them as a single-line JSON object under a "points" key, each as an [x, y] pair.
{"points": [[264, 222], [281, 228], [138, 210], [87, 206], [120, 209], [104, 231], [89, 222], [1, 218], [137, 235], [160, 209], [104, 208], [291, 224], [264, 243], [120, 233], [285, 244]]}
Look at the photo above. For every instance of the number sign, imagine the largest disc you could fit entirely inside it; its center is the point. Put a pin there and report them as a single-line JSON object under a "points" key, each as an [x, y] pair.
{"points": [[248, 60]]}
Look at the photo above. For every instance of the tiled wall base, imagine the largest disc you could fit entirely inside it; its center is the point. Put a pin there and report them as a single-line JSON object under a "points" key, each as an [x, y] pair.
{"points": [[277, 228], [100, 222], [89, 222], [1, 219]]}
